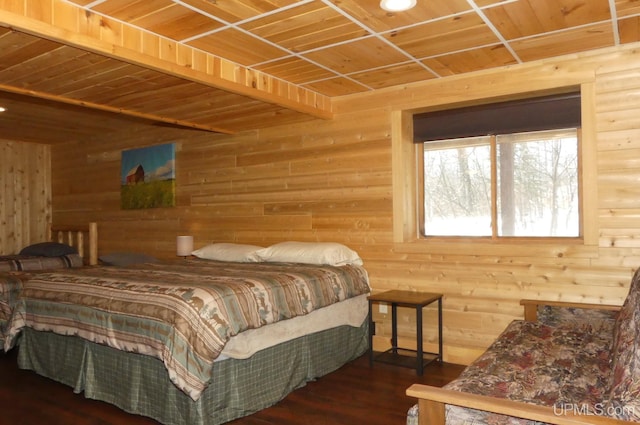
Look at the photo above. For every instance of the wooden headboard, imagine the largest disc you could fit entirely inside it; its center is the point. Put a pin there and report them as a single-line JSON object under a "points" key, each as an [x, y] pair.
{"points": [[75, 236]]}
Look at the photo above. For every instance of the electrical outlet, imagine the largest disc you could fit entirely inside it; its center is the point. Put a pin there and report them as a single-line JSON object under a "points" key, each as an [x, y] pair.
{"points": [[383, 309]]}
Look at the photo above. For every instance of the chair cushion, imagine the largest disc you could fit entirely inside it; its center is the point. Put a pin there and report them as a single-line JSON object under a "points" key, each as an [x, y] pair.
{"points": [[624, 398], [538, 364]]}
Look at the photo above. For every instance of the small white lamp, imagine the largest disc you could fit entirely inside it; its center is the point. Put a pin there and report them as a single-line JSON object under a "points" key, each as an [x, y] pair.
{"points": [[184, 246], [397, 5]]}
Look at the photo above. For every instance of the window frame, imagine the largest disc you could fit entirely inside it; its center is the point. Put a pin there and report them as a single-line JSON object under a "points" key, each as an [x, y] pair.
{"points": [[407, 186], [493, 144]]}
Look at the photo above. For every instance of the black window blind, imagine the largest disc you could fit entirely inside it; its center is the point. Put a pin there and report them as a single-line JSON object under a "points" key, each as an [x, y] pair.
{"points": [[517, 116]]}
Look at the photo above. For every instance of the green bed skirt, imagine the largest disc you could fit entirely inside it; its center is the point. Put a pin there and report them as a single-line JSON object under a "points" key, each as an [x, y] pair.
{"points": [[139, 384]]}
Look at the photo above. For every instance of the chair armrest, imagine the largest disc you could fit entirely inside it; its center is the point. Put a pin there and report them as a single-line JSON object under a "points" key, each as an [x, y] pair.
{"points": [[531, 307], [431, 402]]}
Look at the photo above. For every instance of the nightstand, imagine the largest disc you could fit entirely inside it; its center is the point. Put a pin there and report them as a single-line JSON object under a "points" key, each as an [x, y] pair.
{"points": [[418, 358]]}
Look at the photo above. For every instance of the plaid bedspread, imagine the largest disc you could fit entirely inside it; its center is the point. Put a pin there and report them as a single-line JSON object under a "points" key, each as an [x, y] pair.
{"points": [[182, 313]]}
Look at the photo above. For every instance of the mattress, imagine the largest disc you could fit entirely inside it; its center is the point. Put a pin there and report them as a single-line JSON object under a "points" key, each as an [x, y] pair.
{"points": [[350, 312]]}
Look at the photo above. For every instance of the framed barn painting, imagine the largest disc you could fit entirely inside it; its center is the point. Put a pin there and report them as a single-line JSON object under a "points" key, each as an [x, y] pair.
{"points": [[148, 177]]}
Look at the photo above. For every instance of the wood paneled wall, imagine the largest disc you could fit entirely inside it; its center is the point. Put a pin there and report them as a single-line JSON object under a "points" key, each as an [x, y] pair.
{"points": [[25, 194], [333, 181]]}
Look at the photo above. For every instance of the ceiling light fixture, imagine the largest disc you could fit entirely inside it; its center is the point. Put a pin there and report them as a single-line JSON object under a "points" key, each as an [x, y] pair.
{"points": [[2, 109], [397, 5]]}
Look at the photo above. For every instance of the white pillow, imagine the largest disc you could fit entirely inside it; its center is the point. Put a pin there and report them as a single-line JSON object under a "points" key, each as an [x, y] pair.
{"points": [[240, 253], [331, 253]]}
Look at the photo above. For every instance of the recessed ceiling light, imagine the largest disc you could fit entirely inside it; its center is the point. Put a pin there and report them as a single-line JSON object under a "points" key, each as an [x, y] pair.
{"points": [[397, 5], [2, 109]]}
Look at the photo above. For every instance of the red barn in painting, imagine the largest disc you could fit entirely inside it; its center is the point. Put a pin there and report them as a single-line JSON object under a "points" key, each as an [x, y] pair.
{"points": [[136, 175]]}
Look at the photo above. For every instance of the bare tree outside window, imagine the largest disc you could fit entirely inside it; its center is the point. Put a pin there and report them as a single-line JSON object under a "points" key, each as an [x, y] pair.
{"points": [[457, 187], [536, 185], [543, 177]]}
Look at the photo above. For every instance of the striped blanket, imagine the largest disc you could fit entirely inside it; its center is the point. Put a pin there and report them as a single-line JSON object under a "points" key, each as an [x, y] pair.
{"points": [[10, 286], [182, 313], [33, 263]]}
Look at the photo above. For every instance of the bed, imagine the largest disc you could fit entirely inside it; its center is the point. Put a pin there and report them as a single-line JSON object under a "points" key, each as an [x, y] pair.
{"points": [[196, 341], [65, 248]]}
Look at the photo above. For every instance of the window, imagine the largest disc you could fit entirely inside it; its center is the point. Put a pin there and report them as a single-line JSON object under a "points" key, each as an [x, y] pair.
{"points": [[525, 183], [504, 170]]}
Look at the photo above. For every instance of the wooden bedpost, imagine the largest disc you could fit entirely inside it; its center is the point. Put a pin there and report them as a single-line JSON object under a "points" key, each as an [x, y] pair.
{"points": [[93, 243], [76, 238]]}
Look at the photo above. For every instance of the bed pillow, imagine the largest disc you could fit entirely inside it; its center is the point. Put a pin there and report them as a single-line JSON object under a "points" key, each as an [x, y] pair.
{"points": [[122, 259], [48, 249], [331, 253], [224, 251]]}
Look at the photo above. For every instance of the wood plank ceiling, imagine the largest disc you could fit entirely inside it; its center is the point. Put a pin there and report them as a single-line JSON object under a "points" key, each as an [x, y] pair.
{"points": [[229, 66]]}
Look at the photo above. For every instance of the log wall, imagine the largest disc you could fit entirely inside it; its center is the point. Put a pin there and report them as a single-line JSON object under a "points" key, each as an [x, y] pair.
{"points": [[25, 194], [334, 181]]}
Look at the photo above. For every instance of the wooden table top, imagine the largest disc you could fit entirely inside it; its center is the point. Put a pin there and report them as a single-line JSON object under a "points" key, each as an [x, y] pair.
{"points": [[412, 298]]}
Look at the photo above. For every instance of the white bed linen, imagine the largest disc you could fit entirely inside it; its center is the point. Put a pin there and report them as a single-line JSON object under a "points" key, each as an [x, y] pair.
{"points": [[351, 312]]}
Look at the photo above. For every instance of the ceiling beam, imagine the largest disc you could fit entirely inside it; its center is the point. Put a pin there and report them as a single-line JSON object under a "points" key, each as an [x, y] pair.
{"points": [[105, 108], [71, 25]]}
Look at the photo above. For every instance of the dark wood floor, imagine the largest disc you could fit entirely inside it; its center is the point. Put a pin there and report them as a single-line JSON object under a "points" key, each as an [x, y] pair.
{"points": [[355, 394]]}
